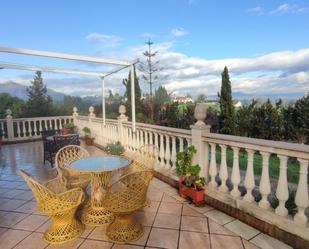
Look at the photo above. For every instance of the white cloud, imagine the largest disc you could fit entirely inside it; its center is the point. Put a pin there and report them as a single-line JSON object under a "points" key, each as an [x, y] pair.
{"points": [[282, 9], [177, 32], [108, 41]]}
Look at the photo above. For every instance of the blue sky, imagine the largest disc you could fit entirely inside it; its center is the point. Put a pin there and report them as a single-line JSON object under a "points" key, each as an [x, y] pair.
{"points": [[264, 43]]}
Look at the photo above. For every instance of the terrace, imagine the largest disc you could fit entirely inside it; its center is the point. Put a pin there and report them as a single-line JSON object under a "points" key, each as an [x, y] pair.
{"points": [[239, 213]]}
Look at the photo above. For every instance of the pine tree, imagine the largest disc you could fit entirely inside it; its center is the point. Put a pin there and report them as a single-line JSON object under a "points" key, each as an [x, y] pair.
{"points": [[226, 117], [127, 84], [39, 103]]}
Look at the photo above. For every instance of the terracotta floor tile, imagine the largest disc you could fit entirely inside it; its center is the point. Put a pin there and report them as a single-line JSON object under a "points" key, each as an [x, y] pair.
{"points": [[155, 195], [11, 238], [197, 224], [31, 223], [224, 242], [170, 208], [249, 245], [11, 193], [3, 230], [201, 209], [154, 205], [219, 217], [95, 244], [33, 241], [99, 233], [168, 198], [243, 230], [145, 218], [11, 204], [69, 245], [167, 221], [88, 230], [142, 240], [189, 211], [29, 207], [44, 227], [127, 247], [216, 228], [163, 238], [11, 218], [26, 195], [192, 240]]}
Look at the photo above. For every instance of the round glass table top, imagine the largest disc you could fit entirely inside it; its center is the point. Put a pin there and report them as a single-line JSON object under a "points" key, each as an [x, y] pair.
{"points": [[100, 163]]}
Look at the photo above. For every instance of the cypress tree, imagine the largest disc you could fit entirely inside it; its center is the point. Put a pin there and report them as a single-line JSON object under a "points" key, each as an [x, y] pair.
{"points": [[226, 117], [39, 103], [127, 84]]}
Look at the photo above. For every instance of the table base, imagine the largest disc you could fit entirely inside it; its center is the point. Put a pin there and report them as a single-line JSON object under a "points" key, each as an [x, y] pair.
{"points": [[96, 216]]}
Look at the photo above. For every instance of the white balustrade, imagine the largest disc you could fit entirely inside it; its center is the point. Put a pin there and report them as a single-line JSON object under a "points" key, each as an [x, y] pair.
{"points": [[223, 170], [235, 177], [265, 183], [213, 166], [282, 192], [249, 178]]}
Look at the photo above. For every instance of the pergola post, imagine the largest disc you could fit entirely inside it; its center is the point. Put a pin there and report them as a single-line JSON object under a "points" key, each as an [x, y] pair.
{"points": [[103, 100], [133, 97]]}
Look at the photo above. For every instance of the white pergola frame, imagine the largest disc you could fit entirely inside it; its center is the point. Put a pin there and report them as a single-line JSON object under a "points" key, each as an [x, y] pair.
{"points": [[72, 57]]}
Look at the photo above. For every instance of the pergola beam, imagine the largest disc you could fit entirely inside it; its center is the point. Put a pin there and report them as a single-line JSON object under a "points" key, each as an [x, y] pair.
{"points": [[64, 56], [49, 69]]}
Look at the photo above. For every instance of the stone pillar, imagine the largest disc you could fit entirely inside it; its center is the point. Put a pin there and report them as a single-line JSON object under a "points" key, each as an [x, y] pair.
{"points": [[122, 118], [9, 124], [197, 130], [75, 116]]}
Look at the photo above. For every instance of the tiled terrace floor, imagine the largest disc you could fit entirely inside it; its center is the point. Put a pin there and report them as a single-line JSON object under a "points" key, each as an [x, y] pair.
{"points": [[170, 222]]}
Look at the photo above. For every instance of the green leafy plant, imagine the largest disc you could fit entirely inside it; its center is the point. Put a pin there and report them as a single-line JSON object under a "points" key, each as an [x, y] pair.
{"points": [[69, 125], [114, 148], [189, 174], [87, 131]]}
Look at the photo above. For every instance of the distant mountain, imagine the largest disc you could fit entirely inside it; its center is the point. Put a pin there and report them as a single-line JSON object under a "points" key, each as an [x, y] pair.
{"points": [[20, 91]]}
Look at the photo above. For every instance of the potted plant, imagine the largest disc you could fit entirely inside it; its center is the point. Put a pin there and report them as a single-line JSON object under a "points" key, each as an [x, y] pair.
{"points": [[114, 148], [190, 183], [88, 138], [68, 128]]}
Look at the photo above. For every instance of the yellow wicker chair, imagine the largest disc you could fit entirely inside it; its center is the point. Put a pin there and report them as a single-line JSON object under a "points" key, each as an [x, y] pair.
{"points": [[59, 206], [71, 178], [144, 158], [123, 198]]}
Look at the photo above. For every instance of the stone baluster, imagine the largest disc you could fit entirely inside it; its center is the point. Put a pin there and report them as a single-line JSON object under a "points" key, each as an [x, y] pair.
{"points": [[162, 163], [146, 137], [150, 137], [213, 166], [249, 178], [157, 146], [9, 124], [265, 183], [180, 144], [24, 128], [130, 140], [235, 177], [167, 152], [137, 139], [223, 170], [35, 131], [18, 129], [141, 133], [173, 155], [282, 192], [40, 126], [301, 198]]}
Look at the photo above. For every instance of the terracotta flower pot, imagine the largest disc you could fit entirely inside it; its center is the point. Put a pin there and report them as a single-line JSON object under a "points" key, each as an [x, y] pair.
{"points": [[65, 131], [89, 140], [197, 197]]}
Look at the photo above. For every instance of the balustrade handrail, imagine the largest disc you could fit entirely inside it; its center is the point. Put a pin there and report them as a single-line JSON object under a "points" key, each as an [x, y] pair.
{"points": [[41, 118], [276, 147]]}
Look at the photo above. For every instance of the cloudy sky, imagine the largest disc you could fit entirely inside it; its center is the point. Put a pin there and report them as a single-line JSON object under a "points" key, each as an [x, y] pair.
{"points": [[265, 44]]}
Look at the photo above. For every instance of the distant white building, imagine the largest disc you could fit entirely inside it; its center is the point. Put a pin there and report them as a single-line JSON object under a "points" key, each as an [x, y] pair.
{"points": [[238, 104], [182, 99]]}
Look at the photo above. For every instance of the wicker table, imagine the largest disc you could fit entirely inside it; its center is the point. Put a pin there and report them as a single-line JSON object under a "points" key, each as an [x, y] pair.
{"points": [[100, 168]]}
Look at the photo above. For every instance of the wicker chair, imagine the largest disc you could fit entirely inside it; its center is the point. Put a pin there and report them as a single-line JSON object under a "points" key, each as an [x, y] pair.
{"points": [[59, 206], [123, 198], [71, 178], [144, 158]]}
